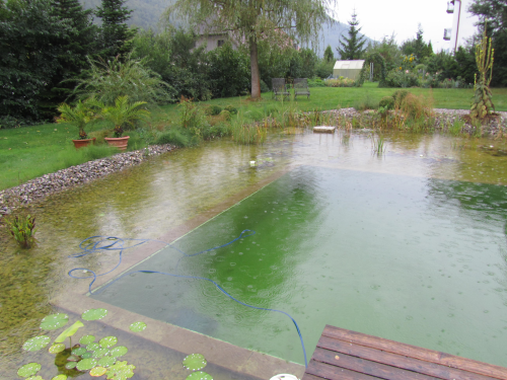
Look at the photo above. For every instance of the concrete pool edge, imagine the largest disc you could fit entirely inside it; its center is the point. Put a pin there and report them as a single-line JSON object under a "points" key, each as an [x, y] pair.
{"points": [[224, 354]]}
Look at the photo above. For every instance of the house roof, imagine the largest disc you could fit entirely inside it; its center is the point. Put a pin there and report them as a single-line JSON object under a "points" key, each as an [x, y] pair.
{"points": [[356, 64]]}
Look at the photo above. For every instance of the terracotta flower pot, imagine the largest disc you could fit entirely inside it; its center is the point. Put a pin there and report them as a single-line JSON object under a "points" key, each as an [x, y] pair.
{"points": [[119, 142], [83, 142]]}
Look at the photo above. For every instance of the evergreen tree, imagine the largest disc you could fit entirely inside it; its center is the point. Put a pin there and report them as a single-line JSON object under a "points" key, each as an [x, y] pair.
{"points": [[328, 54], [30, 42], [75, 46], [116, 35], [417, 47], [353, 47]]}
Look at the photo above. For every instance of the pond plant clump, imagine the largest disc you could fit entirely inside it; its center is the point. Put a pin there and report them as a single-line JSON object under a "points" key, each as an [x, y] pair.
{"points": [[97, 357]]}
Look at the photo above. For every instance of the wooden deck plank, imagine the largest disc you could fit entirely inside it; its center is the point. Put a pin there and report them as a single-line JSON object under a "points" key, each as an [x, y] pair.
{"points": [[420, 353], [411, 364], [329, 372], [366, 367]]}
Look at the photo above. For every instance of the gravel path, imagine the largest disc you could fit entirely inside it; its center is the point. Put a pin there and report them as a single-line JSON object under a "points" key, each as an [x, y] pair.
{"points": [[39, 188]]}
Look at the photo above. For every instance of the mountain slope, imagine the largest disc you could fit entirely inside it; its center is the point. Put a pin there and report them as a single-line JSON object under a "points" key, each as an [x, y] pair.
{"points": [[146, 14]]}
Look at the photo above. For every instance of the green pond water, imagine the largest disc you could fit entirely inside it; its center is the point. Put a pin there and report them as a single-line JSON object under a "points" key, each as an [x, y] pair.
{"points": [[408, 245]]}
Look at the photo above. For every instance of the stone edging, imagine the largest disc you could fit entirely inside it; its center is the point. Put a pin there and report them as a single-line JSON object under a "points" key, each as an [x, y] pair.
{"points": [[39, 188]]}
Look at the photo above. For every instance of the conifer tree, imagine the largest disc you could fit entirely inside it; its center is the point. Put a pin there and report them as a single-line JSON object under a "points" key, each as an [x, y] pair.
{"points": [[116, 35], [352, 48], [75, 46], [328, 54]]}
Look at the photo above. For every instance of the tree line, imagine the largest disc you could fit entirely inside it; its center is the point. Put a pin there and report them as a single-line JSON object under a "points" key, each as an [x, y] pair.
{"points": [[51, 46]]}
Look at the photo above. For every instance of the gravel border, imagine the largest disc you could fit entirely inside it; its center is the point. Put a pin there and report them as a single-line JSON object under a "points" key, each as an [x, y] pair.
{"points": [[39, 188]]}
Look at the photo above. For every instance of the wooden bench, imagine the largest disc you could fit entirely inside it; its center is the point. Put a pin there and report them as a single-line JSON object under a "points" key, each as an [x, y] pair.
{"points": [[344, 354], [301, 87]]}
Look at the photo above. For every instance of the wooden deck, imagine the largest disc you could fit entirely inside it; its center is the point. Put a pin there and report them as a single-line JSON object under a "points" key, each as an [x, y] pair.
{"points": [[344, 354]]}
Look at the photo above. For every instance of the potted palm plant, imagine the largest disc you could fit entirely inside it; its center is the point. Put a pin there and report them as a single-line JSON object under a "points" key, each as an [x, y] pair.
{"points": [[82, 114], [122, 114]]}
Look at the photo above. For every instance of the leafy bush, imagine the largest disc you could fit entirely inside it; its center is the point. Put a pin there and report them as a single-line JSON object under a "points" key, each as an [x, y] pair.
{"points": [[233, 110], [106, 81], [264, 87], [387, 102], [316, 82], [367, 103], [340, 82], [213, 110], [228, 71], [400, 78], [399, 96], [176, 137]]}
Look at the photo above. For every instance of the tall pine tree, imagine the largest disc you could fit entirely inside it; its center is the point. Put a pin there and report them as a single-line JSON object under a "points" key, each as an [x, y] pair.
{"points": [[352, 48], [116, 35], [75, 46]]}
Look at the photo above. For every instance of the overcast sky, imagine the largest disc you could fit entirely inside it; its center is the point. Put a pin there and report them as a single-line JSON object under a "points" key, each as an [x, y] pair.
{"points": [[380, 18]]}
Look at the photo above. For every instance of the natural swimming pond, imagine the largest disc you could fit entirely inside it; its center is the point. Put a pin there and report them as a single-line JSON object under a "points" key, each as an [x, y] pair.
{"points": [[409, 245]]}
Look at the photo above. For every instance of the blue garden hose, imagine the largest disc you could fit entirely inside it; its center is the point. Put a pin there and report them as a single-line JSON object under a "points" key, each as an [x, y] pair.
{"points": [[109, 243]]}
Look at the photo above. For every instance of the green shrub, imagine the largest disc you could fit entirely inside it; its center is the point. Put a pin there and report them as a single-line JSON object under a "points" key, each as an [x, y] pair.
{"points": [[316, 82], [176, 137], [264, 87], [213, 110], [226, 115], [400, 78], [387, 102], [367, 103], [399, 96], [233, 110], [340, 82]]}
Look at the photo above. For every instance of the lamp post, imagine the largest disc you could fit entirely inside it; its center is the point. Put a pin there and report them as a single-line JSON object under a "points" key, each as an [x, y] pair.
{"points": [[457, 27]]}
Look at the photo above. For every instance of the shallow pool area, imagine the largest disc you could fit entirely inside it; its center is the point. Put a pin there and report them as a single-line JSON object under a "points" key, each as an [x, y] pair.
{"points": [[412, 259], [409, 245]]}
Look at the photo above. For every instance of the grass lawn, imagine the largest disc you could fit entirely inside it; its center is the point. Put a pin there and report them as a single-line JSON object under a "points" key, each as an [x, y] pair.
{"points": [[30, 152]]}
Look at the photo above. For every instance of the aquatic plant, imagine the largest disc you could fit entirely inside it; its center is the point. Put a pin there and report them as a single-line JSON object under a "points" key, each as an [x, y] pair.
{"points": [[194, 363], [97, 358], [482, 103], [378, 144], [22, 228]]}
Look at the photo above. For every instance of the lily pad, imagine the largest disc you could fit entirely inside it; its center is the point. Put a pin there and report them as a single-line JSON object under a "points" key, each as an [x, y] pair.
{"points": [[86, 355], [60, 377], [56, 348], [94, 314], [107, 361], [137, 326], [199, 375], [78, 351], [37, 343], [108, 341], [87, 339], [119, 351], [100, 352], [194, 362], [54, 321], [70, 365], [93, 346], [86, 364], [120, 371], [69, 331], [98, 371], [29, 369], [34, 378], [73, 358]]}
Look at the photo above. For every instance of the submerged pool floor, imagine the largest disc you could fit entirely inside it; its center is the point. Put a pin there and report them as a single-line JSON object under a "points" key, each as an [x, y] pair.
{"points": [[417, 260]]}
